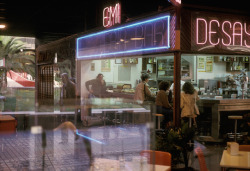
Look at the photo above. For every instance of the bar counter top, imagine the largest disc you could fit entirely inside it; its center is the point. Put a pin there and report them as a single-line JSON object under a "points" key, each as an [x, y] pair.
{"points": [[225, 100]]}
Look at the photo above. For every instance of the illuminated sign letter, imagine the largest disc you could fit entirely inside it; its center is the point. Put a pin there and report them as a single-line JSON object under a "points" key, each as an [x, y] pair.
{"points": [[237, 34], [197, 31], [227, 34], [245, 29], [106, 17], [213, 32], [112, 15], [230, 35]]}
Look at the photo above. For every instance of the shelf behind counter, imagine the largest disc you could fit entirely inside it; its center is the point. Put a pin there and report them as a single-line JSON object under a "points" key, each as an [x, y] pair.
{"points": [[220, 107]]}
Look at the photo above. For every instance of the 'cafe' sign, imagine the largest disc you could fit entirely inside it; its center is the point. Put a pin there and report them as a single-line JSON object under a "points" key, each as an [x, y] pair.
{"points": [[112, 15], [224, 33]]}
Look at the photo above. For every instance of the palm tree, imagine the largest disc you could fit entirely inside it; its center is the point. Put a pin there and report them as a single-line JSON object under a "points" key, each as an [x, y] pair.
{"points": [[11, 49]]}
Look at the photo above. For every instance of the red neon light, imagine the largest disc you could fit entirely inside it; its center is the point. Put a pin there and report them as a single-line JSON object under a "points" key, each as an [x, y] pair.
{"points": [[112, 15], [175, 2], [197, 31], [245, 29], [237, 34], [228, 33], [213, 32]]}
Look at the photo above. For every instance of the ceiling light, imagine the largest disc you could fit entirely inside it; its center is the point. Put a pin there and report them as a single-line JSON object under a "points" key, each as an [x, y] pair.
{"points": [[2, 26], [137, 38]]}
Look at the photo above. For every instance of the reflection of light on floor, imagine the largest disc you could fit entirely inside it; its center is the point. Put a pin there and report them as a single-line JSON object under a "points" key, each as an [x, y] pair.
{"points": [[84, 136], [122, 128]]}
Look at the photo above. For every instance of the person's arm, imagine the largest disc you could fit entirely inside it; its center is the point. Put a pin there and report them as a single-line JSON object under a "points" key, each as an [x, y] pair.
{"points": [[104, 86], [196, 96], [165, 101], [62, 95], [148, 92], [88, 83], [182, 101]]}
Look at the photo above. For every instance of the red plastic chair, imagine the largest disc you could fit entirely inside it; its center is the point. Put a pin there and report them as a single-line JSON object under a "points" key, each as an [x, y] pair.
{"points": [[157, 157], [201, 158], [244, 147]]}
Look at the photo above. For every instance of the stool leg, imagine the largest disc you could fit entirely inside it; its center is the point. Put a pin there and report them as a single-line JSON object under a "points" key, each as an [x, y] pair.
{"points": [[159, 123], [190, 122], [235, 130]]}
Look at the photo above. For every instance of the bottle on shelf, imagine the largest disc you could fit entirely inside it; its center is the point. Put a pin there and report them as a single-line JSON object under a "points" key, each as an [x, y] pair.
{"points": [[208, 91], [199, 92]]}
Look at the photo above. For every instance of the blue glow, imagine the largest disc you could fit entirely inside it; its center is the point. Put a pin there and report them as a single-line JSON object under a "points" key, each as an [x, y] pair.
{"points": [[89, 138], [101, 44], [124, 129], [129, 51]]}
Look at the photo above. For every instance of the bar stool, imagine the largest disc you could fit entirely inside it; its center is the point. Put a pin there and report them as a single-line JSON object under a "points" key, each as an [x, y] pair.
{"points": [[235, 125], [158, 120]]}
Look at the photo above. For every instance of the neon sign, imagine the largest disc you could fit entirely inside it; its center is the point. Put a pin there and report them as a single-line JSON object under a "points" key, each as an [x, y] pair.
{"points": [[222, 32], [148, 36], [175, 2], [112, 15]]}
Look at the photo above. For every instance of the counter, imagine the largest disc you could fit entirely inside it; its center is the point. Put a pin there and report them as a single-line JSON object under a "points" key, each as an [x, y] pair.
{"points": [[219, 105]]}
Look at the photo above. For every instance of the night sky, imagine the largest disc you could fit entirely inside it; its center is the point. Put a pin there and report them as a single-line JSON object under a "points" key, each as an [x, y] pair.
{"points": [[50, 20]]}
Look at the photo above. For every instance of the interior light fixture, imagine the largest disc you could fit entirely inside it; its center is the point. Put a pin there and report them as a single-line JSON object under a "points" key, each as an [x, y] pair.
{"points": [[2, 26], [137, 38]]}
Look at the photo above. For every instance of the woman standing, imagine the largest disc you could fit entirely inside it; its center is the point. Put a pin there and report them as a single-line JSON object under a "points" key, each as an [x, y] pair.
{"points": [[189, 96], [142, 91]]}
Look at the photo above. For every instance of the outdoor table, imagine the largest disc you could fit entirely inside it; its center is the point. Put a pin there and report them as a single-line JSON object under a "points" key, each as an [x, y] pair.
{"points": [[110, 164], [240, 161]]}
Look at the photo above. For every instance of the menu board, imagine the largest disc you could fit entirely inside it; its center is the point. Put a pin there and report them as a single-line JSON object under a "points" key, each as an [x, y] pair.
{"points": [[209, 64], [201, 63], [205, 64]]}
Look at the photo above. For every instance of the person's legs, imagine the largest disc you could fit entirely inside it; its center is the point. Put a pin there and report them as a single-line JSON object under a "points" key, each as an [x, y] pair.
{"points": [[168, 116]]}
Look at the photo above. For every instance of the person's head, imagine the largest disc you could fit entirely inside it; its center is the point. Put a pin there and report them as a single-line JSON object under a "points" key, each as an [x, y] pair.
{"points": [[99, 76], [145, 77], [164, 85], [65, 77], [188, 88]]}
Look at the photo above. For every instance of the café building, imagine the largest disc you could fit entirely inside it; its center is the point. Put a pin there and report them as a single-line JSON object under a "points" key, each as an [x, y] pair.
{"points": [[209, 48]]}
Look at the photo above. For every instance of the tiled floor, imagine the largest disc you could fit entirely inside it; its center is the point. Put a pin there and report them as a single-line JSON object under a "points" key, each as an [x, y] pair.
{"points": [[24, 151]]}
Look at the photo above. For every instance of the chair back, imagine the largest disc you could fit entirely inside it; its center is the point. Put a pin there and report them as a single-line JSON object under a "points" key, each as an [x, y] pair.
{"points": [[157, 157], [201, 158], [244, 147]]}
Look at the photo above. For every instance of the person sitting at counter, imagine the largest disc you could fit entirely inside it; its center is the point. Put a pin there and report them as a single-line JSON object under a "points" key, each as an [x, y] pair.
{"points": [[188, 102], [162, 104], [97, 86], [142, 91]]}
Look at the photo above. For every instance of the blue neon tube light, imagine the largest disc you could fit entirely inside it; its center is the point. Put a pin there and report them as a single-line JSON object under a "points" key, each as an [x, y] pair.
{"points": [[89, 138], [150, 35]]}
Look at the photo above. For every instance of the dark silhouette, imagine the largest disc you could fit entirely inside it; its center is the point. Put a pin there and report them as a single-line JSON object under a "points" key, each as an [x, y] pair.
{"points": [[97, 86]]}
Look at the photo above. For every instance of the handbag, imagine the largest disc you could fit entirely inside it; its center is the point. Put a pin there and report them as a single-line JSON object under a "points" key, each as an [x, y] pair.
{"points": [[148, 98]]}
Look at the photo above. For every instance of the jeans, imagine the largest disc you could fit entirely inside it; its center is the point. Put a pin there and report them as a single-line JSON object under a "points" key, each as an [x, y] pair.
{"points": [[167, 112]]}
